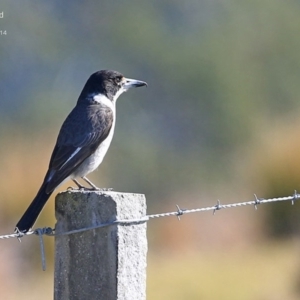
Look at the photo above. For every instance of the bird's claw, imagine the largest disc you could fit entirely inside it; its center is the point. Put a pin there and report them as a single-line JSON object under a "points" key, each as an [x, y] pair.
{"points": [[71, 188]]}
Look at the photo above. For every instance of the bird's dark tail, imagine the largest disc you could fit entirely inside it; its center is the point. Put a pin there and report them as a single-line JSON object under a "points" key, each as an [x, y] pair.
{"points": [[33, 211]]}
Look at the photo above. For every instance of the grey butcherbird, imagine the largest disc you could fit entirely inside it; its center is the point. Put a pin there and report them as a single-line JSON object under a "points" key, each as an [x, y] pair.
{"points": [[84, 138]]}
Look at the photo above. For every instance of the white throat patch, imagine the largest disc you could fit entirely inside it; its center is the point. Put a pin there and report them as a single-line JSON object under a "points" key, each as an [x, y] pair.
{"points": [[102, 99]]}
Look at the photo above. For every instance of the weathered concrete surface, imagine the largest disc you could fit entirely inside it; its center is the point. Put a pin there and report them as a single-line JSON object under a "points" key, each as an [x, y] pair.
{"points": [[107, 263]]}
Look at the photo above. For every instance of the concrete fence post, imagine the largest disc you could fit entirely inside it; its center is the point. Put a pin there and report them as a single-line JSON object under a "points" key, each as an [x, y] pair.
{"points": [[107, 263]]}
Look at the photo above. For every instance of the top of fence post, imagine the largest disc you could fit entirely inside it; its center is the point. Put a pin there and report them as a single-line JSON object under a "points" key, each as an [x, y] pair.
{"points": [[105, 263]]}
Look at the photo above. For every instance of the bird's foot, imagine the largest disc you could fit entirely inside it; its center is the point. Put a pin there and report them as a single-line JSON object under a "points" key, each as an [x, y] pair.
{"points": [[92, 188], [72, 188], [98, 189]]}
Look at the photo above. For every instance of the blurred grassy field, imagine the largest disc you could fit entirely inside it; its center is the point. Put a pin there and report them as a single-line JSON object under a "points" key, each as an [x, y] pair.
{"points": [[268, 271], [264, 272]]}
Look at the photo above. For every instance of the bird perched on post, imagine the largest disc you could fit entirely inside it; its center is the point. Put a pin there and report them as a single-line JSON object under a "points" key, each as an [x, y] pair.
{"points": [[84, 138]]}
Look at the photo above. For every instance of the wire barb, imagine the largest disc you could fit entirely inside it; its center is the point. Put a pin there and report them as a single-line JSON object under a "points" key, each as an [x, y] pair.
{"points": [[218, 206], [295, 197], [257, 201], [180, 212]]}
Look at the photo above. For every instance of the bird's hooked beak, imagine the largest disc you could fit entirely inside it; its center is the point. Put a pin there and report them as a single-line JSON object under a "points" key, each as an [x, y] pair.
{"points": [[133, 83]]}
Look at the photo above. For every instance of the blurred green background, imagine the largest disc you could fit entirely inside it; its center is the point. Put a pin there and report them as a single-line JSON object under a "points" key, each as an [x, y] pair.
{"points": [[219, 120]]}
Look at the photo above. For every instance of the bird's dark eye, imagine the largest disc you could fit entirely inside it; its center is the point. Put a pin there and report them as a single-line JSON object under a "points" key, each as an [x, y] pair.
{"points": [[119, 79]]}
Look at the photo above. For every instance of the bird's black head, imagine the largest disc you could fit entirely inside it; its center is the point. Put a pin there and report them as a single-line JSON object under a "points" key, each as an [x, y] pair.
{"points": [[108, 83]]}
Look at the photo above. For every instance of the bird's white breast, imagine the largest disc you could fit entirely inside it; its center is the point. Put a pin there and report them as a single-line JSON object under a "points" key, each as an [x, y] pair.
{"points": [[93, 161]]}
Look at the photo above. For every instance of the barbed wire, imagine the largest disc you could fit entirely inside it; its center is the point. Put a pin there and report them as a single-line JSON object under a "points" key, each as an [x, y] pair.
{"points": [[178, 213]]}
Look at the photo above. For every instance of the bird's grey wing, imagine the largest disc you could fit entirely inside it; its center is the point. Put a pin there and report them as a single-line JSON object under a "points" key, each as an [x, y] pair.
{"points": [[81, 134]]}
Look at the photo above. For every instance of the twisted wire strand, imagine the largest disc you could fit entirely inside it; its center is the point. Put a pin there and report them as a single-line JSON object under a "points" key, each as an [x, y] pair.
{"points": [[51, 232]]}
